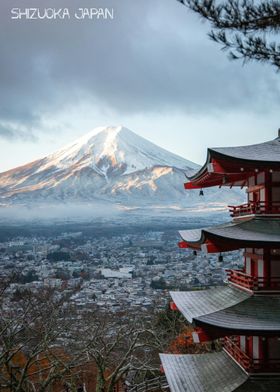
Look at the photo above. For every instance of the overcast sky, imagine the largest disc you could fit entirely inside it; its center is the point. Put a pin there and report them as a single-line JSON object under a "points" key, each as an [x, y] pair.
{"points": [[152, 69]]}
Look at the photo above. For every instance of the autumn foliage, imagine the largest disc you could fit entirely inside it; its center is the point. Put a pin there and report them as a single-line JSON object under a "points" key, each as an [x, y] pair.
{"points": [[183, 343], [68, 378]]}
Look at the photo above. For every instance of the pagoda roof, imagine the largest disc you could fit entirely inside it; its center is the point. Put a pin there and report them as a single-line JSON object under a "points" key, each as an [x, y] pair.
{"points": [[230, 308], [233, 165], [253, 231], [194, 304], [213, 372], [268, 152], [258, 313]]}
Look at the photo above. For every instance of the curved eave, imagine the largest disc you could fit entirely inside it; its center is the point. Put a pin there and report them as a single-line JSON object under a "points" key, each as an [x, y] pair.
{"points": [[234, 235], [203, 170], [230, 308], [195, 304], [215, 372], [243, 161], [230, 160], [257, 314], [237, 243], [192, 237], [217, 179], [212, 372], [198, 240], [262, 154]]}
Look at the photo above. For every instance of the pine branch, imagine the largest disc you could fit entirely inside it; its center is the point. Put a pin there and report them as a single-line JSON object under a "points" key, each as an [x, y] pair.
{"points": [[248, 48], [241, 15], [243, 27]]}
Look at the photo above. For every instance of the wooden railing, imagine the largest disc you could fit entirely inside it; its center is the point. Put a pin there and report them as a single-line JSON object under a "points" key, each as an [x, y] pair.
{"points": [[251, 364], [155, 384], [235, 351], [252, 208], [253, 283], [242, 279]]}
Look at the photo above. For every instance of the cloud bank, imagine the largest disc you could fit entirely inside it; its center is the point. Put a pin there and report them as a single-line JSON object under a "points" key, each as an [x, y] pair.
{"points": [[152, 58]]}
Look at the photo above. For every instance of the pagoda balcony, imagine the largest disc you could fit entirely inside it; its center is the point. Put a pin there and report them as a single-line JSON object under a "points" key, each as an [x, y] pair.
{"points": [[259, 208], [235, 351], [241, 279], [253, 283], [249, 364]]}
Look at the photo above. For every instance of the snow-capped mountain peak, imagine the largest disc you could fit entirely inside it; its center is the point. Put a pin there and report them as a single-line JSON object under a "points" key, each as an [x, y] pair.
{"points": [[114, 149], [111, 164]]}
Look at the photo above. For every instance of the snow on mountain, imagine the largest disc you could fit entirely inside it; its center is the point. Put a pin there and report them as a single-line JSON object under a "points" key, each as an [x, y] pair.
{"points": [[109, 149], [108, 164]]}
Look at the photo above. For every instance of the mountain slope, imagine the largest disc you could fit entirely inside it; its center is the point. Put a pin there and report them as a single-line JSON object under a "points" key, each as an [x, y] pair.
{"points": [[110, 164]]}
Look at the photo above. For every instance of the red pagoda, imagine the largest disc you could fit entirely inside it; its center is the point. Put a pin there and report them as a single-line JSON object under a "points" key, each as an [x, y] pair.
{"points": [[245, 312]]}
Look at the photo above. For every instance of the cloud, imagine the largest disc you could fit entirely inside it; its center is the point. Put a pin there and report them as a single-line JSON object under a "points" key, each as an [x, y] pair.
{"points": [[16, 131], [153, 57]]}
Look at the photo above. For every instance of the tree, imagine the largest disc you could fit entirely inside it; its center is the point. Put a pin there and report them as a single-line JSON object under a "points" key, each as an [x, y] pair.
{"points": [[159, 284], [168, 324], [31, 276], [247, 29], [174, 335], [58, 256], [48, 344], [116, 348], [183, 343], [30, 331]]}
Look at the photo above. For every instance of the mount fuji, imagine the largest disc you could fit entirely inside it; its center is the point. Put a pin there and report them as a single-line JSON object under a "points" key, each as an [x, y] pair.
{"points": [[109, 164]]}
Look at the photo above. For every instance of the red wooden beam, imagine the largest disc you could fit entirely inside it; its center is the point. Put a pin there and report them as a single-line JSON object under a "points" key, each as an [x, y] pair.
{"points": [[216, 167], [191, 185], [200, 336], [183, 245], [173, 306]]}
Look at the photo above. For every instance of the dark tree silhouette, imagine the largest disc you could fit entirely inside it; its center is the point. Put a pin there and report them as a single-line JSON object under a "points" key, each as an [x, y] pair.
{"points": [[248, 29]]}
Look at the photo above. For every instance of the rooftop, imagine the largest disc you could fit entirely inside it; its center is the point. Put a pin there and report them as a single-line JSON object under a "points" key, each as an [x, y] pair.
{"points": [[230, 308], [193, 304], [262, 152], [233, 165], [257, 230], [213, 372]]}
